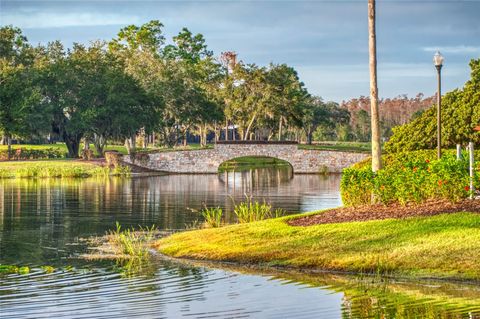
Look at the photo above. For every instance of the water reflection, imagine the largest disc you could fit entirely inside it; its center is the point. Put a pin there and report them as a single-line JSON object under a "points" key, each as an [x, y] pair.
{"points": [[42, 222], [174, 291]]}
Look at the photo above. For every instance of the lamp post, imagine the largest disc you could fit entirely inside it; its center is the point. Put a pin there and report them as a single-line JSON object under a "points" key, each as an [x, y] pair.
{"points": [[438, 61]]}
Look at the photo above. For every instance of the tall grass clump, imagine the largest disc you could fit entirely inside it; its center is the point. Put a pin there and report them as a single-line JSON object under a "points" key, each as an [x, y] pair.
{"points": [[212, 216], [131, 243], [58, 169], [122, 170], [251, 210]]}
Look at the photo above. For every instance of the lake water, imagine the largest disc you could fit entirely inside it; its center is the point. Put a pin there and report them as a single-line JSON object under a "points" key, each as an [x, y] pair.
{"points": [[44, 223]]}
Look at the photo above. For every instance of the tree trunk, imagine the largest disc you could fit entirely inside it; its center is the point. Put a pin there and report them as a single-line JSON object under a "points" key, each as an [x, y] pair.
{"points": [[145, 140], [86, 144], [250, 126], [99, 142], [226, 130], [372, 46], [73, 144], [280, 129], [205, 134], [309, 136], [130, 144], [9, 150]]}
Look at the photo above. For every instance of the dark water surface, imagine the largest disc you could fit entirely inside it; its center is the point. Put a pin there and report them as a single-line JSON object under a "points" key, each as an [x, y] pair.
{"points": [[43, 222]]}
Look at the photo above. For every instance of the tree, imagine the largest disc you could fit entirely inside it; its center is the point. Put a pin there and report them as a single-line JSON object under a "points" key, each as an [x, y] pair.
{"points": [[19, 99], [18, 94], [132, 45], [460, 114], [287, 95], [375, 126]]}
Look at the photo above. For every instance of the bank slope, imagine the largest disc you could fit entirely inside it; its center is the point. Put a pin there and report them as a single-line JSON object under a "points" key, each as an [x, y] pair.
{"points": [[444, 246]]}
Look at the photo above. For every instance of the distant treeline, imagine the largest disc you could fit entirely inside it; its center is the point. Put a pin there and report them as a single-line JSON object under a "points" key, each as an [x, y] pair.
{"points": [[396, 111]]}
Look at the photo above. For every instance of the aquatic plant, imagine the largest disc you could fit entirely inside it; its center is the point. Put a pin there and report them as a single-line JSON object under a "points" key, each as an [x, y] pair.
{"points": [[13, 269], [212, 216], [132, 243], [122, 170], [251, 210]]}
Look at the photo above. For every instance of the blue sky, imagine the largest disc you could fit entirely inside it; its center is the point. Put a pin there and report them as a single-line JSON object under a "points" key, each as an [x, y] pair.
{"points": [[326, 41]]}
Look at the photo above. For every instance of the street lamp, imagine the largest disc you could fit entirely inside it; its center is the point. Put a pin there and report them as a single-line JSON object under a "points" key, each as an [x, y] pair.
{"points": [[438, 61]]}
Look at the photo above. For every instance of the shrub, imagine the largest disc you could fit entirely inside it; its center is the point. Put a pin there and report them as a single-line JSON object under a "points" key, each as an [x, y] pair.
{"points": [[113, 158], [87, 154], [212, 216], [407, 178], [32, 154]]}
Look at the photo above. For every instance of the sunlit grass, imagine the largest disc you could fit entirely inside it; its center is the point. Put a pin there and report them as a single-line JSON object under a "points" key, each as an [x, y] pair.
{"points": [[443, 246], [55, 168], [362, 147]]}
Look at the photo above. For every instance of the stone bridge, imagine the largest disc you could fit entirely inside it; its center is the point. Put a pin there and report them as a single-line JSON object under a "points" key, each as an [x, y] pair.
{"points": [[208, 160]]}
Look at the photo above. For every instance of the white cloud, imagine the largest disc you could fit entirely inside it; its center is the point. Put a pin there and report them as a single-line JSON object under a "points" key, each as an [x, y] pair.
{"points": [[57, 20], [458, 49]]}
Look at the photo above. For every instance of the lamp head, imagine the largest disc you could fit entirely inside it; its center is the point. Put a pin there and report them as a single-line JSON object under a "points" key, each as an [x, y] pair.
{"points": [[438, 59]]}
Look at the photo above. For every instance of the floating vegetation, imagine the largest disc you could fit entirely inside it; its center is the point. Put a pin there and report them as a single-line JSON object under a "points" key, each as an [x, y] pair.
{"points": [[23, 270], [13, 269]]}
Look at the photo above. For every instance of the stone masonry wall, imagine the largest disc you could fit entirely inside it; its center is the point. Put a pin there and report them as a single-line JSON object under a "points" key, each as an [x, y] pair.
{"points": [[208, 161]]}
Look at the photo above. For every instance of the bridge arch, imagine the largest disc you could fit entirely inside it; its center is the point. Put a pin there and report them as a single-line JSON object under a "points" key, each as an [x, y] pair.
{"points": [[247, 162]]}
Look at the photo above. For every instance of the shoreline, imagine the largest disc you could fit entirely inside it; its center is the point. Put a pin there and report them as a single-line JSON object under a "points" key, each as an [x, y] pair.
{"points": [[264, 269], [440, 247]]}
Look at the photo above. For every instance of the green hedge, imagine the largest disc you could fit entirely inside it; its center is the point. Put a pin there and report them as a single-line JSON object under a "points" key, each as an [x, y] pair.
{"points": [[408, 177], [32, 154]]}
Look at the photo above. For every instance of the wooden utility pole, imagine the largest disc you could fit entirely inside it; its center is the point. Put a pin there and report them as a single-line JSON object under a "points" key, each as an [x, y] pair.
{"points": [[229, 58], [375, 118]]}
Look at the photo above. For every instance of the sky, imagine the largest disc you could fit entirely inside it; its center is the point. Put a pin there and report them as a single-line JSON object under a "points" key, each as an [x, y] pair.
{"points": [[325, 41]]}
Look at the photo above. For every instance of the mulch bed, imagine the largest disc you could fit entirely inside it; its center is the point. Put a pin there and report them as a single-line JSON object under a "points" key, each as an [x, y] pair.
{"points": [[377, 212]]}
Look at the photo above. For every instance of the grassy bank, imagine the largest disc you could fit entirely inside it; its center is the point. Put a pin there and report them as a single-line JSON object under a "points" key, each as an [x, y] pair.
{"points": [[444, 246], [55, 168], [361, 147], [251, 162]]}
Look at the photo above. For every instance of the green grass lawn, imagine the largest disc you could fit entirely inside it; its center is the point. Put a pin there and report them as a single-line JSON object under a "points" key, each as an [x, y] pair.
{"points": [[446, 245], [338, 146]]}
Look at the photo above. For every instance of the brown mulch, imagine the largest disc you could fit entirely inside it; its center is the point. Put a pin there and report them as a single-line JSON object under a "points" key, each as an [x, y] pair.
{"points": [[377, 212]]}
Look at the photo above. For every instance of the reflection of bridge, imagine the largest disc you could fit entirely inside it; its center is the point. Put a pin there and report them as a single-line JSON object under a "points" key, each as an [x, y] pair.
{"points": [[208, 160]]}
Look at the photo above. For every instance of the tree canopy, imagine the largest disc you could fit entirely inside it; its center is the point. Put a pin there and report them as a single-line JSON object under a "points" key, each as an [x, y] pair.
{"points": [[460, 114]]}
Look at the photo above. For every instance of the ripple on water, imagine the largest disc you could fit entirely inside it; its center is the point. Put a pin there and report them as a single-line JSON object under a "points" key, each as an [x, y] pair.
{"points": [[41, 222]]}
